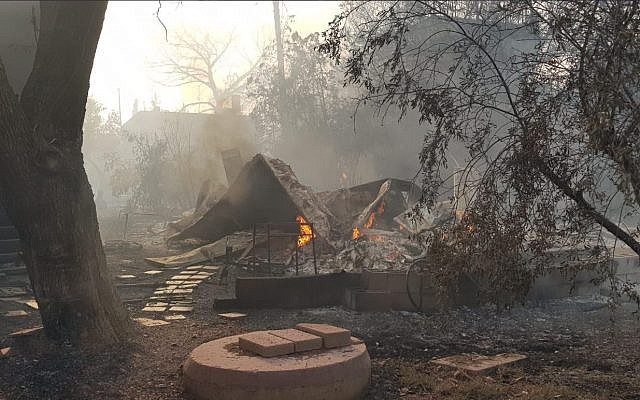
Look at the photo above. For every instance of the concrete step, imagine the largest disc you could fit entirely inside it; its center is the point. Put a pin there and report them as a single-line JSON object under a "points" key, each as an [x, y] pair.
{"points": [[8, 232], [9, 258], [4, 219], [9, 246], [12, 269]]}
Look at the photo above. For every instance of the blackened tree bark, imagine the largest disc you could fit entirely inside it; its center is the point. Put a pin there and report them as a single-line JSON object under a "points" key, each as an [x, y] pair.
{"points": [[46, 191]]}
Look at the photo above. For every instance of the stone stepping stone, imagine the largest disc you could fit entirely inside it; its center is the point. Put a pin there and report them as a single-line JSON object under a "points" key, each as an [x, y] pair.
{"points": [[211, 267], [182, 291], [4, 352], [194, 267], [478, 364], [16, 313], [154, 309], [175, 317], [125, 276], [332, 336], [153, 272], [181, 302], [156, 304], [232, 316], [180, 282], [11, 291], [6, 299], [265, 344], [302, 341], [150, 322], [26, 332], [181, 309], [30, 302], [171, 297], [188, 286]]}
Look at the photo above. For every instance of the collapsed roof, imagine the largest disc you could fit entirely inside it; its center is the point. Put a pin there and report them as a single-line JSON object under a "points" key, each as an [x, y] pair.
{"points": [[265, 191], [354, 206]]}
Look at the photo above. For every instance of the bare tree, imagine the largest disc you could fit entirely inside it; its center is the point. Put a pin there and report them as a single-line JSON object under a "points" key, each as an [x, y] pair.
{"points": [[196, 60], [543, 96], [45, 188]]}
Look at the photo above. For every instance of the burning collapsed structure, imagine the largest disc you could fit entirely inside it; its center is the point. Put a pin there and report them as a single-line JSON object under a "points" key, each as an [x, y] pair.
{"points": [[283, 216]]}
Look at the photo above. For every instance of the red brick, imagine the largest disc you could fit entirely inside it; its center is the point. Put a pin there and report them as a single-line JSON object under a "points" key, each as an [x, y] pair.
{"points": [[302, 341], [265, 344], [332, 336]]}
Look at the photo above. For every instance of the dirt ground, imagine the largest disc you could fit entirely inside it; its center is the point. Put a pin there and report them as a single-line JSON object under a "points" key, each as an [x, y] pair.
{"points": [[577, 348]]}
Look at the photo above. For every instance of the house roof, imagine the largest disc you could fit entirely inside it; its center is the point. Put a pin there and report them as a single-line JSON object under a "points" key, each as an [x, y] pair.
{"points": [[149, 122]]}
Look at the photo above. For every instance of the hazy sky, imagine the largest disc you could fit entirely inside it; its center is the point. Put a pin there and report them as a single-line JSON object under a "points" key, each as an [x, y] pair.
{"points": [[132, 38]]}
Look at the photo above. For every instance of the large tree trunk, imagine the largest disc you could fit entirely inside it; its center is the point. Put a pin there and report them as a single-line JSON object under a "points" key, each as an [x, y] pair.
{"points": [[46, 191]]}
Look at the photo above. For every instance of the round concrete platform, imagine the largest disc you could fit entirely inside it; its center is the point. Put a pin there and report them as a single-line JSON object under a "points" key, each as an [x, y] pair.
{"points": [[220, 370]]}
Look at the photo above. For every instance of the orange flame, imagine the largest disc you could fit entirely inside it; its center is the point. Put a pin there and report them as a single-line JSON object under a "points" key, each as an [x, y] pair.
{"points": [[306, 233], [355, 234], [372, 217], [465, 219]]}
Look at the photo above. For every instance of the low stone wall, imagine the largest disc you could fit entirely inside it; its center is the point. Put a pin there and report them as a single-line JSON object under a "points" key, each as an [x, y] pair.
{"points": [[292, 292], [384, 291]]}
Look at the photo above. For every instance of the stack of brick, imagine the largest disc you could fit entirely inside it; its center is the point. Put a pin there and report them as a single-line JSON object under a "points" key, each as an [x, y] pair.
{"points": [[305, 337]]}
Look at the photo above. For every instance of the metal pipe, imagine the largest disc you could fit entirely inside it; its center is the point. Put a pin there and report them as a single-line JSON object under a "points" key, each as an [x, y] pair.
{"points": [[126, 225], [313, 244], [269, 247], [296, 243], [253, 249]]}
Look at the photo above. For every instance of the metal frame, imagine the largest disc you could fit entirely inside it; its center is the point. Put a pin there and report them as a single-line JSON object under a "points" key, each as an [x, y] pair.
{"points": [[270, 235]]}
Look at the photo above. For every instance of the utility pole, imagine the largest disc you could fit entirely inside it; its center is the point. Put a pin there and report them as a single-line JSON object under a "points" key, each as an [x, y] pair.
{"points": [[276, 18], [119, 109], [280, 56]]}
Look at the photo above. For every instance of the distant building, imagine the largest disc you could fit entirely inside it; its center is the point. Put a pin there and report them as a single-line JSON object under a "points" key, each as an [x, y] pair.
{"points": [[208, 139]]}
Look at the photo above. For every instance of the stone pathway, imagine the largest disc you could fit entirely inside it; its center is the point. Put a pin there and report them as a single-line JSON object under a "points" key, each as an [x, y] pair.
{"points": [[175, 297]]}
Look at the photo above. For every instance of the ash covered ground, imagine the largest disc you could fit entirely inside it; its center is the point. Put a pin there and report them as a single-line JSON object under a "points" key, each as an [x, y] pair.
{"points": [[577, 348]]}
